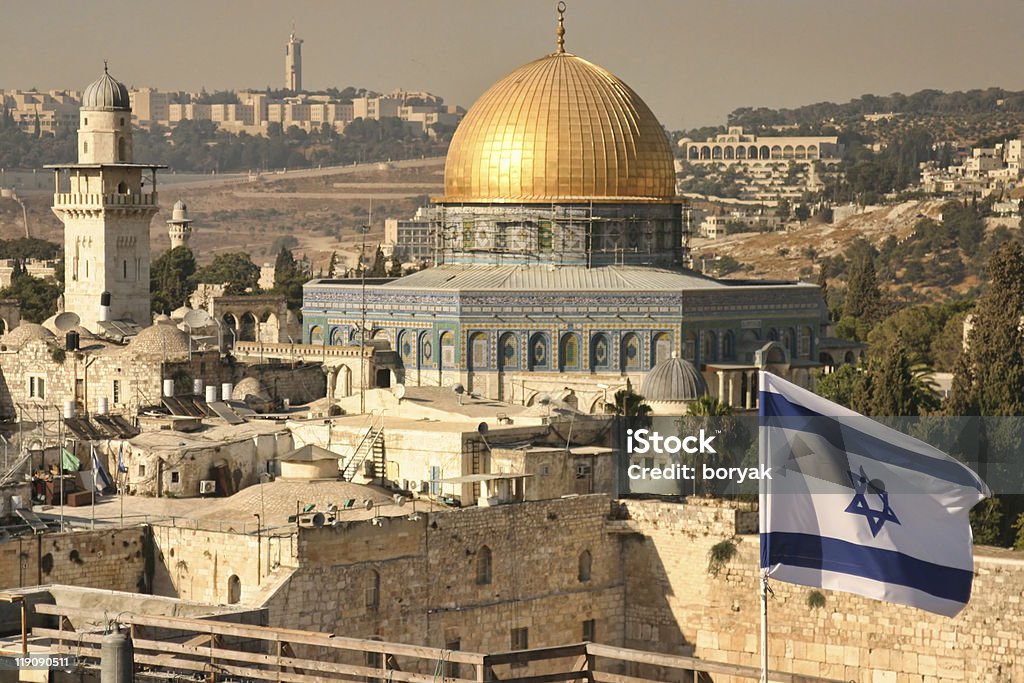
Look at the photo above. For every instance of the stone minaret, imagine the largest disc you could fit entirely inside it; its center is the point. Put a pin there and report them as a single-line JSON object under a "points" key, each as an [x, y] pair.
{"points": [[180, 226], [293, 63], [106, 206]]}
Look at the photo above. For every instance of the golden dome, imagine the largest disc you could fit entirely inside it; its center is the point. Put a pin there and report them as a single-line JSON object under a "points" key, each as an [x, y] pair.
{"points": [[559, 129]]}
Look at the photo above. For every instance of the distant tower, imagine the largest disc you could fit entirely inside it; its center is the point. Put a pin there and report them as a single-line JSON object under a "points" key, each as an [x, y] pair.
{"points": [[180, 225], [293, 63], [106, 214]]}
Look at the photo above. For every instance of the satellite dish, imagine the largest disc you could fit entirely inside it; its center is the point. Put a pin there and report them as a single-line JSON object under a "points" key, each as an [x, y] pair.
{"points": [[66, 321], [399, 391], [319, 519], [368, 504], [399, 499], [197, 318], [459, 389], [482, 428]]}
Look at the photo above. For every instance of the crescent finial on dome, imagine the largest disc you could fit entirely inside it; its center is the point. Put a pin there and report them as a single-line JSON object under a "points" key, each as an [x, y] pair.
{"points": [[560, 31]]}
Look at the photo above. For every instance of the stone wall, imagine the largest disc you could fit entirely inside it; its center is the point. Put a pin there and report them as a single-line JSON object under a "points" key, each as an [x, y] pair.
{"points": [[197, 564], [417, 581], [673, 601], [103, 558]]}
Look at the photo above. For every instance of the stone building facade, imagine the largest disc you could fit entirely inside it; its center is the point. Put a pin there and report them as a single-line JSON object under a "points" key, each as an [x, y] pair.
{"points": [[38, 373]]}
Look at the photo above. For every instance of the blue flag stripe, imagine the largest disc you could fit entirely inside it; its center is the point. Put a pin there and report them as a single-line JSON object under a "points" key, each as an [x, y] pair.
{"points": [[879, 564], [777, 406]]}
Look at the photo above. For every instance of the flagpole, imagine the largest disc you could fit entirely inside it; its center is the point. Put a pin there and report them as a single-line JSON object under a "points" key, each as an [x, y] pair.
{"points": [[764, 625], [763, 578], [95, 474]]}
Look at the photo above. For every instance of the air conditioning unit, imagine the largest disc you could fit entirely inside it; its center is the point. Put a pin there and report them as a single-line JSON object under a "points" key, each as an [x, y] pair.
{"points": [[207, 487]]}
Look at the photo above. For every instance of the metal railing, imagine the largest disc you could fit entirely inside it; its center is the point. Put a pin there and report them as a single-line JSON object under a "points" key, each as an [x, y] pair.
{"points": [[364, 448]]}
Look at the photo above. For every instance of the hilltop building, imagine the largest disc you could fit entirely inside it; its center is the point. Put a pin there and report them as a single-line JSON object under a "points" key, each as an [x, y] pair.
{"points": [[737, 147], [106, 206], [293, 63], [41, 112], [562, 261]]}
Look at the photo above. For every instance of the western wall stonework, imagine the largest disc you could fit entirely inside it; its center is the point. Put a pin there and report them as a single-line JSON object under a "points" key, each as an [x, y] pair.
{"points": [[102, 558], [673, 600], [418, 581]]}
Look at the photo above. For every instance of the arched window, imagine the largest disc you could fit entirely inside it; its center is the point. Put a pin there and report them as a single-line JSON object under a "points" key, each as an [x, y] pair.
{"points": [[584, 566], [372, 590], [316, 333], [447, 351], [508, 351], [122, 187], [405, 346], [336, 336], [234, 589], [709, 352], [538, 352], [806, 337], [661, 348], [690, 348], [600, 352], [426, 349], [789, 341], [483, 566], [247, 331], [122, 149], [85, 147], [570, 352], [478, 351], [630, 352], [729, 346]]}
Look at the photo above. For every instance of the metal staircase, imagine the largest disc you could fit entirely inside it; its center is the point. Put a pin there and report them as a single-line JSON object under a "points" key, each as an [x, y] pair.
{"points": [[13, 470], [370, 446]]}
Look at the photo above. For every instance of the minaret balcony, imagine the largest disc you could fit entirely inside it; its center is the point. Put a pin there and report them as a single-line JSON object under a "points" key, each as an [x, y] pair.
{"points": [[96, 200]]}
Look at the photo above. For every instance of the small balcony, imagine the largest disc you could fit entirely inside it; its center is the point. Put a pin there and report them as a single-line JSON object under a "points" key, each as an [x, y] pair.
{"points": [[74, 200]]}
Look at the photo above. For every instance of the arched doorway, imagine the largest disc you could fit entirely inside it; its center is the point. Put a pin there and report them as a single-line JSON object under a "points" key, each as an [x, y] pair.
{"points": [[234, 589]]}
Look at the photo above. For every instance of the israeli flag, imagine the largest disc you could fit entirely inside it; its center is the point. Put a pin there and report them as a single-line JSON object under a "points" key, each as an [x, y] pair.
{"points": [[855, 506], [100, 479]]}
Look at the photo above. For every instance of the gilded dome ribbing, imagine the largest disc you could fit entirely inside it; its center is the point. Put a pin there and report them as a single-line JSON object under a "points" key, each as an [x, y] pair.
{"points": [[559, 129]]}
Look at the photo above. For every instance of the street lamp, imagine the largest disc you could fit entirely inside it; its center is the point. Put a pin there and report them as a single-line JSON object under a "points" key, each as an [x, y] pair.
{"points": [[259, 549], [362, 322], [264, 476]]}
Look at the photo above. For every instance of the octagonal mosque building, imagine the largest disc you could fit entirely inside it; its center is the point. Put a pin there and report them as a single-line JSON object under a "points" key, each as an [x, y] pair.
{"points": [[562, 262]]}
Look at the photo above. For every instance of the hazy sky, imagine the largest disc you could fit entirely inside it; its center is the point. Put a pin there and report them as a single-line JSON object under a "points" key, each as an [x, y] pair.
{"points": [[692, 61]]}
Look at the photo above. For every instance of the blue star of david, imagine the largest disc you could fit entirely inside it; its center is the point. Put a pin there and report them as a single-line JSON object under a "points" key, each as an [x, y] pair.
{"points": [[859, 504]]}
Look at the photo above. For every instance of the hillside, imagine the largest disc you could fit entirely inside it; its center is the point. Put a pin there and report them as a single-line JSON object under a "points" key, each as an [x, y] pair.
{"points": [[901, 233], [321, 208]]}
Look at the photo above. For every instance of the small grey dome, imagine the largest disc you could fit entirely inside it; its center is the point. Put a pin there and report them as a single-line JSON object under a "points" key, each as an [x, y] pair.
{"points": [[179, 214], [162, 340], [180, 312], [674, 379], [25, 332], [249, 386], [106, 93]]}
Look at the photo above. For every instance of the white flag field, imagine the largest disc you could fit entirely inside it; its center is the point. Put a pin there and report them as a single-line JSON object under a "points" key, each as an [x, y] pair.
{"points": [[855, 506]]}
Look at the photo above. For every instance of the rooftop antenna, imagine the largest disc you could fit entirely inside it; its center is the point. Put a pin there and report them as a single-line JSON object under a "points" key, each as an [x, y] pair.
{"points": [[560, 31]]}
